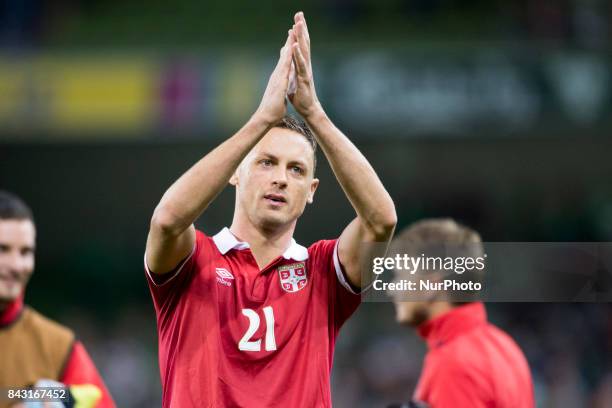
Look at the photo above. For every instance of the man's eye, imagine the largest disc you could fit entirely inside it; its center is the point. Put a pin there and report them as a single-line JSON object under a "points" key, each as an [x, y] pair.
{"points": [[266, 162], [4, 248], [297, 169]]}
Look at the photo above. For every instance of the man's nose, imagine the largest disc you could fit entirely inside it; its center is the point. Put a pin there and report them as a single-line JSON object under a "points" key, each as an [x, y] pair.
{"points": [[14, 261], [280, 177]]}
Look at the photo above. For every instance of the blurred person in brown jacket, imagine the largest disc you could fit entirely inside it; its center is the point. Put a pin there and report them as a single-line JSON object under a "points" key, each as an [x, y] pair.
{"points": [[35, 349]]}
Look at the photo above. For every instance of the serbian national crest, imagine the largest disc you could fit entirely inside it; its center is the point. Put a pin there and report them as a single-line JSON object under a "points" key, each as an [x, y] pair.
{"points": [[293, 277]]}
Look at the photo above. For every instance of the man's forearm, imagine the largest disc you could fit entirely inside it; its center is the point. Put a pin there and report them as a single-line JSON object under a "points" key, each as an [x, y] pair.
{"points": [[363, 188], [189, 196], [171, 233]]}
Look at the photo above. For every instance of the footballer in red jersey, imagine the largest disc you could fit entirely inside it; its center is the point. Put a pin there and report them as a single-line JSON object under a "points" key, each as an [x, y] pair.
{"points": [[248, 317]]}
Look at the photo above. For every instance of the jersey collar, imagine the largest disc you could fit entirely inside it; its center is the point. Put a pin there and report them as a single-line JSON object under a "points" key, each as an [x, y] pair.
{"points": [[449, 325], [225, 240], [12, 312]]}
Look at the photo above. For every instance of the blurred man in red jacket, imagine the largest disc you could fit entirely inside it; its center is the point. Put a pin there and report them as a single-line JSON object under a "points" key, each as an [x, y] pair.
{"points": [[470, 362], [35, 349]]}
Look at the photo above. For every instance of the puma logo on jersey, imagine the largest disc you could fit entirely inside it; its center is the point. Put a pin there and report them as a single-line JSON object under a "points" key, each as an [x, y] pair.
{"points": [[224, 276]]}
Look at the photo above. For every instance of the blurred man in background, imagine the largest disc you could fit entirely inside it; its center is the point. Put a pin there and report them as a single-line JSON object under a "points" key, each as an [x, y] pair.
{"points": [[470, 362], [34, 349], [248, 317]]}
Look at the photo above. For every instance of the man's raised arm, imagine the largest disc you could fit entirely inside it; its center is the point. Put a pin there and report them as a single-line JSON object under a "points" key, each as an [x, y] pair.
{"points": [[172, 234], [376, 217]]}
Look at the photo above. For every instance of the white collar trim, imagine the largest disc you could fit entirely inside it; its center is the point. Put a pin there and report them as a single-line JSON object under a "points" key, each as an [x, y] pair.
{"points": [[225, 240]]}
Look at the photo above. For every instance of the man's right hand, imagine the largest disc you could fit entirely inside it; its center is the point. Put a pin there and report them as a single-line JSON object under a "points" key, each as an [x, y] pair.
{"points": [[172, 234], [273, 106]]}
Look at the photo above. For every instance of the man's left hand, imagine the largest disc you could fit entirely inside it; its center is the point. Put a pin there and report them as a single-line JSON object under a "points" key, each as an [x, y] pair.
{"points": [[304, 99]]}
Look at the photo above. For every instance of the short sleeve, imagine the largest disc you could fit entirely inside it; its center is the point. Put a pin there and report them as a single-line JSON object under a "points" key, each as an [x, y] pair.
{"points": [[166, 289], [81, 371], [344, 300]]}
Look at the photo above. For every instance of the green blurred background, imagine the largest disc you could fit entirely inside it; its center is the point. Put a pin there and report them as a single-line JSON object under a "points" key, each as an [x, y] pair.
{"points": [[497, 113]]}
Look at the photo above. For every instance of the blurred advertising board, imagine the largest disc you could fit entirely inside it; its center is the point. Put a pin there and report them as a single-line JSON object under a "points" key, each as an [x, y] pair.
{"points": [[481, 93]]}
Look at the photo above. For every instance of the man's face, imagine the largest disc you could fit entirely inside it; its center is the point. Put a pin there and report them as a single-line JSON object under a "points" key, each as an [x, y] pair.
{"points": [[411, 313], [17, 242], [276, 179]]}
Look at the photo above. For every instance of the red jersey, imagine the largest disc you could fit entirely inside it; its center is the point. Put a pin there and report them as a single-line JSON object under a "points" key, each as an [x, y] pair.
{"points": [[231, 335], [472, 363]]}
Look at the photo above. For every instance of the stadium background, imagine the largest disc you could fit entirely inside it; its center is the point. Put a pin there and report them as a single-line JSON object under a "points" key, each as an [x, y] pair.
{"points": [[498, 113]]}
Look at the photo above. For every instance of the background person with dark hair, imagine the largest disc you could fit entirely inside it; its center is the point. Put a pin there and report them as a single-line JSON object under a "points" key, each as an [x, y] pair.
{"points": [[34, 348], [470, 362]]}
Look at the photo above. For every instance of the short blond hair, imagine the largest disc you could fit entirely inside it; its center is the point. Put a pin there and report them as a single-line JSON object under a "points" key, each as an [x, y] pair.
{"points": [[436, 231], [442, 237], [298, 125]]}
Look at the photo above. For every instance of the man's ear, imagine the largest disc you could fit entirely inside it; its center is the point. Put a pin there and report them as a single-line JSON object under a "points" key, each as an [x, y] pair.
{"points": [[313, 187], [234, 179], [436, 295]]}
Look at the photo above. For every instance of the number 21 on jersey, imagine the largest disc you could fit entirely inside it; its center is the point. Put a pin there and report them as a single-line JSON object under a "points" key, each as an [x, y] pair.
{"points": [[246, 344]]}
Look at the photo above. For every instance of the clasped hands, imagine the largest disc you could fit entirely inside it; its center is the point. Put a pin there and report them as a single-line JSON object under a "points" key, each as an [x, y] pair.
{"points": [[292, 78]]}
